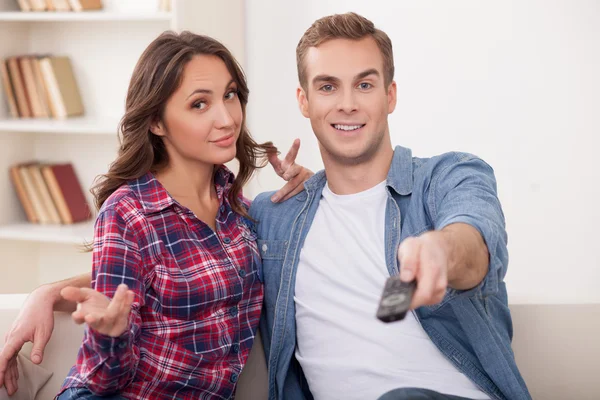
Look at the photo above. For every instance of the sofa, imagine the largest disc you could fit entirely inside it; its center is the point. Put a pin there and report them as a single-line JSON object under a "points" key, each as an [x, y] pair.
{"points": [[557, 348]]}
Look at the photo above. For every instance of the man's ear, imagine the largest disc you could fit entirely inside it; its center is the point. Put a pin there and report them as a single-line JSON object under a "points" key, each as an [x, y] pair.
{"points": [[157, 127], [302, 101], [392, 97]]}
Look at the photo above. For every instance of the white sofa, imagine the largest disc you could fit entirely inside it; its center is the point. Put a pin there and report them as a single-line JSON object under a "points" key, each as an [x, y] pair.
{"points": [[557, 349]]}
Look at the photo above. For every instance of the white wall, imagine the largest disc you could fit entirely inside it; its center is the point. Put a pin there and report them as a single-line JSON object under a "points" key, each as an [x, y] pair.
{"points": [[515, 82]]}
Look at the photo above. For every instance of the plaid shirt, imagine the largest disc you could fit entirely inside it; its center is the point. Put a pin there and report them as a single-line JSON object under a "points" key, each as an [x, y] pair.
{"points": [[198, 296]]}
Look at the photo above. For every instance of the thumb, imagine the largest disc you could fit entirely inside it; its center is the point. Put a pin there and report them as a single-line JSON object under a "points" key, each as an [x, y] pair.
{"points": [[408, 258], [74, 294], [40, 340]]}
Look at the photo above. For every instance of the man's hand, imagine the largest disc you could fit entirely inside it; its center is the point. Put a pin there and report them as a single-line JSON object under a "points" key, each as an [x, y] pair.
{"points": [[287, 169], [34, 323], [426, 259], [105, 316]]}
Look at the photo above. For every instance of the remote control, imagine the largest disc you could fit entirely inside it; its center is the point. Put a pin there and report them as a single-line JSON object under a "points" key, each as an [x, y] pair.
{"points": [[395, 300]]}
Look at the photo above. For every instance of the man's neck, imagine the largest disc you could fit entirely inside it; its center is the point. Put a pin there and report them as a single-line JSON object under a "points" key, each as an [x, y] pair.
{"points": [[349, 179]]}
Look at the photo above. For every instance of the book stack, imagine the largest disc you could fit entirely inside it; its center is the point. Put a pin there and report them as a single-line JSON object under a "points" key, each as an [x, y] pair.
{"points": [[50, 193], [59, 5], [41, 87]]}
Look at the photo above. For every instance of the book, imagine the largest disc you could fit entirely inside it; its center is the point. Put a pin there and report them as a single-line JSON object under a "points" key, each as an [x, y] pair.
{"points": [[24, 5], [38, 180], [17, 181], [41, 86], [60, 5], [84, 5], [38, 5], [67, 193], [9, 90], [35, 96], [33, 194], [19, 87], [62, 87]]}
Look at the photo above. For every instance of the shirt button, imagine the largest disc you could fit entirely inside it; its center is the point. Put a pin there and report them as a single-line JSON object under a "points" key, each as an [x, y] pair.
{"points": [[222, 208], [234, 377], [242, 272], [233, 311], [265, 248], [226, 240], [235, 348]]}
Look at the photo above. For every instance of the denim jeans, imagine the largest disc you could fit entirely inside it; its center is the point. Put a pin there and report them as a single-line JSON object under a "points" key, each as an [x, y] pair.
{"points": [[84, 393]]}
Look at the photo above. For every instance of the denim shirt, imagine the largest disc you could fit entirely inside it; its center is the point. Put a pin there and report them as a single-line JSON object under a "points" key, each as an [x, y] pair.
{"points": [[472, 328]]}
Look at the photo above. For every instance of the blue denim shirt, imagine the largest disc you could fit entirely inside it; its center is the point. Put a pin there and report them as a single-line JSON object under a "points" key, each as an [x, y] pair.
{"points": [[472, 328]]}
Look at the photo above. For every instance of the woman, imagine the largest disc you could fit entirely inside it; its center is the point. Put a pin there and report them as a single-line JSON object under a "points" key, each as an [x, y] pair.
{"points": [[174, 247]]}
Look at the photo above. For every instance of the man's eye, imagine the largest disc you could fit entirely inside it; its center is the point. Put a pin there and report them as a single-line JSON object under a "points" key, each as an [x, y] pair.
{"points": [[327, 88], [365, 86]]}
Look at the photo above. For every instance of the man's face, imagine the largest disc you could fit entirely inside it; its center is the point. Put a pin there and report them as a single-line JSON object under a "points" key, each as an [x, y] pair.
{"points": [[346, 99]]}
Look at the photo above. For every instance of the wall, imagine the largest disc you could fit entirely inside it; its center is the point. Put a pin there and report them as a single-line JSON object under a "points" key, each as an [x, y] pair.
{"points": [[514, 82]]}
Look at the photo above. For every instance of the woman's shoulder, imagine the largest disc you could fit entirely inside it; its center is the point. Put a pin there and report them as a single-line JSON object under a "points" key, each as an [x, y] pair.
{"points": [[122, 202]]}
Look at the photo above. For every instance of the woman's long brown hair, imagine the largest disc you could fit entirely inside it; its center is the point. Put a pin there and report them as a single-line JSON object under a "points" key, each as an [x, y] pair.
{"points": [[156, 77]]}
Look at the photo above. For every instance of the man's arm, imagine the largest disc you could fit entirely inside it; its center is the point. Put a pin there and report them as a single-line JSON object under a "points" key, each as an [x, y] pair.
{"points": [[53, 291], [35, 323], [468, 256], [467, 247]]}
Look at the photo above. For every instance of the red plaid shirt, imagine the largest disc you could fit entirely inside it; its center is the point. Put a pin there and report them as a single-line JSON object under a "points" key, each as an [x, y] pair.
{"points": [[198, 297]]}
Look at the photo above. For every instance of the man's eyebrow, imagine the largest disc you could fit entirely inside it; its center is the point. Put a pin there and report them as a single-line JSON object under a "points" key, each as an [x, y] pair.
{"points": [[364, 74], [324, 78]]}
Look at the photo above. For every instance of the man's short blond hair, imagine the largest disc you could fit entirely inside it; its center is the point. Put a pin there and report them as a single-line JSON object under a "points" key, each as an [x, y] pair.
{"points": [[344, 26]]}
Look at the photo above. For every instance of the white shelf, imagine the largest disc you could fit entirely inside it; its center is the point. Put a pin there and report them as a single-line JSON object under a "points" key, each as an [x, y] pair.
{"points": [[51, 16], [80, 233], [78, 125]]}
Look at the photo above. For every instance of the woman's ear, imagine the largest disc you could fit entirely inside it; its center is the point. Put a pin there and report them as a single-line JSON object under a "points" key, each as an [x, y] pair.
{"points": [[157, 127]]}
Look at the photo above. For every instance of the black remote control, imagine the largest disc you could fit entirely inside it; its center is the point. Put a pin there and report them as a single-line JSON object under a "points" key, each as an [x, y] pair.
{"points": [[395, 300]]}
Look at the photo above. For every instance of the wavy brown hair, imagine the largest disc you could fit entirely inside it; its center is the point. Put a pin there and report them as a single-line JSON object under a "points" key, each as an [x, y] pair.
{"points": [[157, 75]]}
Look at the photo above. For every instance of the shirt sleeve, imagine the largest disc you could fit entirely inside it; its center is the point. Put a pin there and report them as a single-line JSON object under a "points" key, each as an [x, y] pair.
{"points": [[108, 364], [464, 191]]}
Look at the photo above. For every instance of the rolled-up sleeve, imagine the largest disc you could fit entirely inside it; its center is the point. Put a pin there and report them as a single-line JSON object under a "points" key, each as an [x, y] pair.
{"points": [[108, 364], [463, 190]]}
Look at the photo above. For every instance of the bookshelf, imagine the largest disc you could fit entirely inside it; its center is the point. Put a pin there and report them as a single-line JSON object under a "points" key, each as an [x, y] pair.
{"points": [[103, 47]]}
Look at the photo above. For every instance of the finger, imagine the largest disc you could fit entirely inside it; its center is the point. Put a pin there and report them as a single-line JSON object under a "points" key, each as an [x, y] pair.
{"points": [[283, 193], [40, 340], [293, 171], [126, 309], [78, 317], [117, 301], [97, 322], [296, 186], [76, 295], [433, 263], [408, 258], [290, 157], [11, 379], [9, 353], [275, 162], [426, 280]]}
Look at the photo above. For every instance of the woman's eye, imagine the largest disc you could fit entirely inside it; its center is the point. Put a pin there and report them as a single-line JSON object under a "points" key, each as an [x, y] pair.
{"points": [[231, 95], [201, 105]]}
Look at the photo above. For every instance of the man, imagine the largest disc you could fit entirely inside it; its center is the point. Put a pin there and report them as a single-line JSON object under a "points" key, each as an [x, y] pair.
{"points": [[375, 212]]}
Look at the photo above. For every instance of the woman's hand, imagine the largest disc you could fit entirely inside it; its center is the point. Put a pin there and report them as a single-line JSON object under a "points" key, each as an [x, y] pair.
{"points": [[288, 170], [105, 316]]}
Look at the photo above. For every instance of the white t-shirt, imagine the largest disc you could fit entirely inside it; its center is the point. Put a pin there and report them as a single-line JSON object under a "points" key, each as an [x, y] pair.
{"points": [[344, 350]]}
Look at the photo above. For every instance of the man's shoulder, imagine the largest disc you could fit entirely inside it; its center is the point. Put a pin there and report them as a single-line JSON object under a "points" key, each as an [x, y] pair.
{"points": [[439, 165], [263, 208]]}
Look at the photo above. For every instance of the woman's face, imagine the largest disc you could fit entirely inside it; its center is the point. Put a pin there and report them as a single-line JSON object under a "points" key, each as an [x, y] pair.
{"points": [[203, 117]]}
